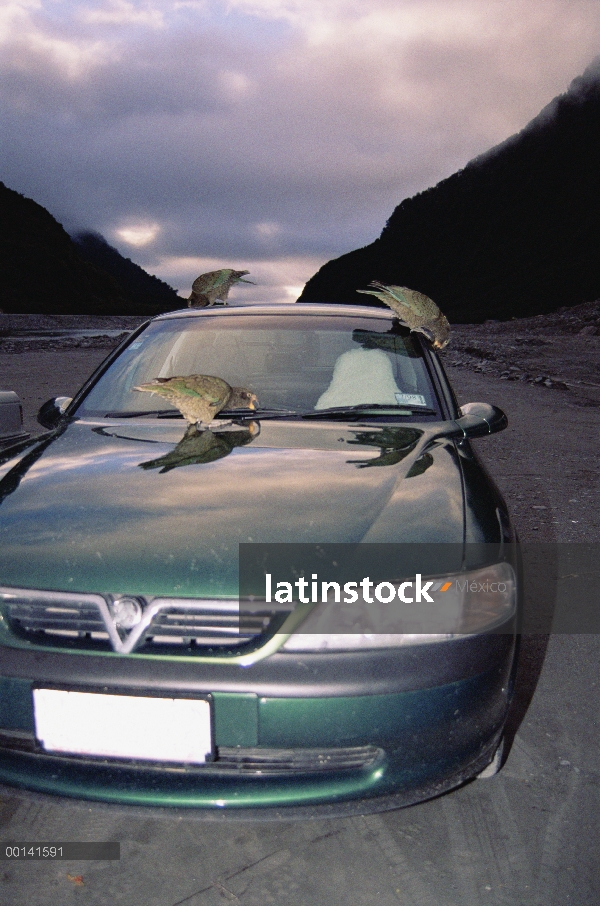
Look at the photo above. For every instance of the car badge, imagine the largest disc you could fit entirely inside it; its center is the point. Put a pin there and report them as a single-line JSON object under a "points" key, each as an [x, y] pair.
{"points": [[127, 612], [127, 619]]}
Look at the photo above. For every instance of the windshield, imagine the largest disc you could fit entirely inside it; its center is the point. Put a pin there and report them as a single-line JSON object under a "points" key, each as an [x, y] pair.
{"points": [[296, 363]]}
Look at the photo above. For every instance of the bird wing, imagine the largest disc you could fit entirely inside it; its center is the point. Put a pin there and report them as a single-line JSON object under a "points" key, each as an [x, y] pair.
{"points": [[372, 292], [206, 386], [195, 386], [418, 302], [206, 281]]}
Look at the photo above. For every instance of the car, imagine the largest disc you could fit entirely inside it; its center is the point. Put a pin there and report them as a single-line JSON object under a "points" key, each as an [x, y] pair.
{"points": [[310, 606]]}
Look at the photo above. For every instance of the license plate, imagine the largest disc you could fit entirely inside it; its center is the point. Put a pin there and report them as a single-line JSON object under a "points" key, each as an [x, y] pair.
{"points": [[123, 726]]}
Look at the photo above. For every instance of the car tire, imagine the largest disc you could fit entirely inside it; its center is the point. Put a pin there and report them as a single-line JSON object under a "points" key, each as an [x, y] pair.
{"points": [[494, 765]]}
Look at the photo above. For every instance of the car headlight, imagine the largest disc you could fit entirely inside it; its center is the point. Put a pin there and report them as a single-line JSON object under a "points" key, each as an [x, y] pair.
{"points": [[460, 604]]}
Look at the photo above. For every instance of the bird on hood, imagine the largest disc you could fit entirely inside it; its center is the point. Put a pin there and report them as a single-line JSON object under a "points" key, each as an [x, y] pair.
{"points": [[200, 397], [209, 287], [415, 310]]}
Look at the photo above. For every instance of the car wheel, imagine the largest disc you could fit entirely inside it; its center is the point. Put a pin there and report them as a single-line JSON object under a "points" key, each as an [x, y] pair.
{"points": [[494, 765]]}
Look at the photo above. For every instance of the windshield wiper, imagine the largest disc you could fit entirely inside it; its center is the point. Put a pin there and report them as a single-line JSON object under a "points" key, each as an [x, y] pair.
{"points": [[359, 411], [260, 412], [368, 409], [145, 413]]}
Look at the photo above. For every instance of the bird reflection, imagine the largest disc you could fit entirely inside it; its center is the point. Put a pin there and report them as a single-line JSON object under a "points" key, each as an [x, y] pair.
{"points": [[394, 445], [203, 447]]}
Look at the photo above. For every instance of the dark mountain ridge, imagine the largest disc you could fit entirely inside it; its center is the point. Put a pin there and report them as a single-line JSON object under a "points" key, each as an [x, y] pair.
{"points": [[143, 288], [515, 233], [42, 271]]}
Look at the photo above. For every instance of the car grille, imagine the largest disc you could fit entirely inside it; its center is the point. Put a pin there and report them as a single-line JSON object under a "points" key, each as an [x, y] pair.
{"points": [[290, 761], [233, 760], [178, 625]]}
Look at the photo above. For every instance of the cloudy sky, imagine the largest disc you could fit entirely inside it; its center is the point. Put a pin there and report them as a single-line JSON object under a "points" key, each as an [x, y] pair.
{"points": [[269, 135]]}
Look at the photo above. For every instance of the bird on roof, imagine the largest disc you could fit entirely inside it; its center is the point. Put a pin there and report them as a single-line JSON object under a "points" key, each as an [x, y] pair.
{"points": [[209, 287], [200, 397], [415, 310]]}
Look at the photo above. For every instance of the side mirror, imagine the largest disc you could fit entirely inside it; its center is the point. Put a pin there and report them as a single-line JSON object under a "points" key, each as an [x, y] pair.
{"points": [[481, 419], [11, 418], [52, 411]]}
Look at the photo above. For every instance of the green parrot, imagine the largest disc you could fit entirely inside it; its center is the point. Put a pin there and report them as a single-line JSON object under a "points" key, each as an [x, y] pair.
{"points": [[209, 287], [415, 310], [200, 397]]}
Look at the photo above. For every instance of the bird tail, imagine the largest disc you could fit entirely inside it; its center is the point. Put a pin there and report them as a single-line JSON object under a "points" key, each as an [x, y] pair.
{"points": [[377, 285], [373, 292]]}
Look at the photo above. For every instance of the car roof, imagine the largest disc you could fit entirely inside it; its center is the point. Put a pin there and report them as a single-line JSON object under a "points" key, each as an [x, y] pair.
{"points": [[289, 308]]}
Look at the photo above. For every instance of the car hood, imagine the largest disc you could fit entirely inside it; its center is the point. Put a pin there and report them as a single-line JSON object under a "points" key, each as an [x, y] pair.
{"points": [[148, 508]]}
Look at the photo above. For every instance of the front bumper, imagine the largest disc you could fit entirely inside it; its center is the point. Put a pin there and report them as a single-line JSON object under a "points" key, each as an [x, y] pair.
{"points": [[291, 732]]}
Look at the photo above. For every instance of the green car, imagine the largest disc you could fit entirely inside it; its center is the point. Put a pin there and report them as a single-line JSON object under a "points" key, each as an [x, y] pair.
{"points": [[312, 602]]}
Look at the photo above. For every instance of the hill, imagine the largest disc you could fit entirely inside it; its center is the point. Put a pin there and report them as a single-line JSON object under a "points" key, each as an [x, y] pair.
{"points": [[515, 233], [42, 271], [142, 288]]}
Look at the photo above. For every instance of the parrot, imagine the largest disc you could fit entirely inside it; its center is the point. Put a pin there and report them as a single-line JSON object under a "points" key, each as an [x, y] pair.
{"points": [[415, 310], [209, 287], [200, 397]]}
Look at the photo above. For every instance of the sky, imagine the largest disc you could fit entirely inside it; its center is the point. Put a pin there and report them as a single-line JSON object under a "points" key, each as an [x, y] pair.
{"points": [[265, 135]]}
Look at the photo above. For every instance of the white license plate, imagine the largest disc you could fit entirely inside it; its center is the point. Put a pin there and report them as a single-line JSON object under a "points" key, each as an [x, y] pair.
{"points": [[123, 726]]}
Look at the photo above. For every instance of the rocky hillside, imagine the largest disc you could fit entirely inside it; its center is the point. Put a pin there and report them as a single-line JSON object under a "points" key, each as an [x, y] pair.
{"points": [[516, 233]]}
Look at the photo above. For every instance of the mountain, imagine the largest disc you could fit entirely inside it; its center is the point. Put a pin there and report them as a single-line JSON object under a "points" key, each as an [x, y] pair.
{"points": [[515, 233], [141, 287], [42, 271]]}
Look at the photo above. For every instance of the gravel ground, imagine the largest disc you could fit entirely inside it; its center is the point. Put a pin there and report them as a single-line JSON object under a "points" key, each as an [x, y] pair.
{"points": [[560, 352]]}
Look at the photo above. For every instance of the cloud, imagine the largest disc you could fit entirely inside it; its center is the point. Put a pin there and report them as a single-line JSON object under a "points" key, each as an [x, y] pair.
{"points": [[121, 12], [266, 130], [28, 43], [138, 234]]}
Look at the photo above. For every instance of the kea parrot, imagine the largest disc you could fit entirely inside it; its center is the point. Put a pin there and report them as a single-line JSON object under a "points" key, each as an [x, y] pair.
{"points": [[200, 397], [415, 310], [209, 287]]}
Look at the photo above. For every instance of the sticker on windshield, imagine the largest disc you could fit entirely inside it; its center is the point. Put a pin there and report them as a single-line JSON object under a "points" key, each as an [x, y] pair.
{"points": [[410, 399]]}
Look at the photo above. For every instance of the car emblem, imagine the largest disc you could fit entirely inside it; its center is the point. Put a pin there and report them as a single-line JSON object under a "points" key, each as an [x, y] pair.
{"points": [[127, 612]]}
